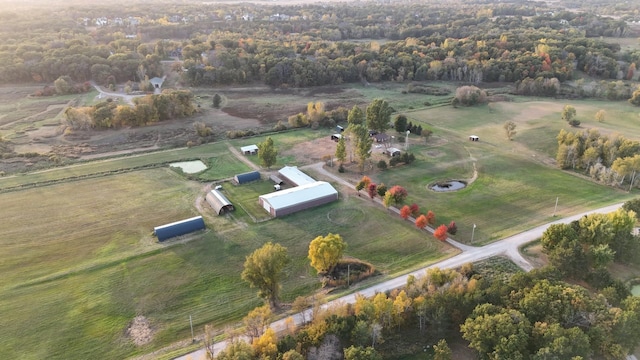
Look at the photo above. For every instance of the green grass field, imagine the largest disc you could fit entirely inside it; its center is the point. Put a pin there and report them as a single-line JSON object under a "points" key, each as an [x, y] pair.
{"points": [[517, 186], [79, 262]]}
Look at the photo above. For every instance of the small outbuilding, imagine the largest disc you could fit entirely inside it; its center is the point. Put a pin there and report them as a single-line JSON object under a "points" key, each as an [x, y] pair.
{"points": [[336, 137], [249, 149], [219, 202], [157, 82], [178, 228], [393, 152], [474, 138], [276, 180], [298, 198], [247, 177]]}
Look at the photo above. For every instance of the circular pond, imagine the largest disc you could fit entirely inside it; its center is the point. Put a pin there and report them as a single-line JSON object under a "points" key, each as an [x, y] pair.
{"points": [[450, 185]]}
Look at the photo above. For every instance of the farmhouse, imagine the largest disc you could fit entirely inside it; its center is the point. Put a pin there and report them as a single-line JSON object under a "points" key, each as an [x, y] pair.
{"points": [[381, 138], [219, 202], [298, 198], [249, 149], [294, 176], [246, 177], [178, 228]]}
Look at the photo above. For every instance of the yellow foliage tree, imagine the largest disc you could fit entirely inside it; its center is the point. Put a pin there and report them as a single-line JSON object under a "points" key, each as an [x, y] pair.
{"points": [[266, 345], [325, 251]]}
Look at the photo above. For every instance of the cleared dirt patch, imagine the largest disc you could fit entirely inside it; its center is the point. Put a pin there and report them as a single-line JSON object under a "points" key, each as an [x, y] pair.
{"points": [[140, 331]]}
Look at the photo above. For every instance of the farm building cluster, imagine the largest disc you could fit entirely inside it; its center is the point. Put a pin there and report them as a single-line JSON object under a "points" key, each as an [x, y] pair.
{"points": [[302, 192]]}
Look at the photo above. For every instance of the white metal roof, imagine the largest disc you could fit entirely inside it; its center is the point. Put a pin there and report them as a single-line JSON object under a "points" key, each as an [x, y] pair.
{"points": [[296, 176], [299, 194], [249, 148], [221, 198]]}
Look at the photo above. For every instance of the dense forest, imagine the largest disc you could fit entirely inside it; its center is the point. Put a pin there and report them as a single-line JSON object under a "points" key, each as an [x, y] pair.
{"points": [[309, 45]]}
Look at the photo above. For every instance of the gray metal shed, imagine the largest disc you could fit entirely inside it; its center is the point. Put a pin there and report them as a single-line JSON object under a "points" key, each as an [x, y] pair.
{"points": [[219, 202]]}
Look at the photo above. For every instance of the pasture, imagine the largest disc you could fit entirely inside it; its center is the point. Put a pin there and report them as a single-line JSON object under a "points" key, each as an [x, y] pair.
{"points": [[79, 262], [517, 183]]}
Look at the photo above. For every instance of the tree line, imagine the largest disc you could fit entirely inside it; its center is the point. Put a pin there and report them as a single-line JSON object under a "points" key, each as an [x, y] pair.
{"points": [[146, 110], [313, 45], [608, 159], [522, 316]]}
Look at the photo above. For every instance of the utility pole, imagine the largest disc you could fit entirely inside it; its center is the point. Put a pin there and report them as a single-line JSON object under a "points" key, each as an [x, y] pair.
{"points": [[473, 232], [348, 274], [556, 208], [193, 339]]}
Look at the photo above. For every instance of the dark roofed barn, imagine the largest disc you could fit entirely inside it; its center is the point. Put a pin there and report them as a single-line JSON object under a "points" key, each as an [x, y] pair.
{"points": [[219, 202], [178, 228], [247, 177]]}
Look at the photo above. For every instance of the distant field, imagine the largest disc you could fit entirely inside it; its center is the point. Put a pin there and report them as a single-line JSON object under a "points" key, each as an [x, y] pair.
{"points": [[628, 43]]}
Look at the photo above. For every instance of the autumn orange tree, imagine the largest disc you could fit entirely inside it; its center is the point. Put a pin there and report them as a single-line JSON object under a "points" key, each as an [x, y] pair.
{"points": [[363, 183], [405, 212], [421, 221], [441, 232], [431, 217], [398, 194]]}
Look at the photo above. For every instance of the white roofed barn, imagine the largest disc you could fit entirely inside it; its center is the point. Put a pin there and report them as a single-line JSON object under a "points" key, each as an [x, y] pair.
{"points": [[298, 198]]}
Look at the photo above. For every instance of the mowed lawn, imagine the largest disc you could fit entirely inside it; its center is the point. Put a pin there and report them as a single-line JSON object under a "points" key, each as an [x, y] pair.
{"points": [[79, 262]]}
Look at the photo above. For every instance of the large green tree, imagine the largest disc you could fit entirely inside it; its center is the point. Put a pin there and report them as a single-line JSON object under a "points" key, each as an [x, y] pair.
{"points": [[263, 270], [497, 333], [400, 123], [326, 251], [341, 150], [355, 116], [378, 115], [267, 153]]}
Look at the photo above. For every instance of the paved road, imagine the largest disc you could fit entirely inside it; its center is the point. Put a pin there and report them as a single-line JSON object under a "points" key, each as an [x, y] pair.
{"points": [[506, 247]]}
